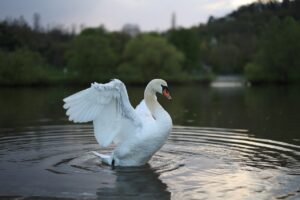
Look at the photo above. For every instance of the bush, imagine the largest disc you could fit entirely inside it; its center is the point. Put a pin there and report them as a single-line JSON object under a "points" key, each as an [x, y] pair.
{"points": [[147, 56], [90, 57], [21, 67], [278, 56]]}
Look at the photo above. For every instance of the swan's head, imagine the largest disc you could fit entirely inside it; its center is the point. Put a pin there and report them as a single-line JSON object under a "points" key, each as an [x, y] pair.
{"points": [[160, 86]]}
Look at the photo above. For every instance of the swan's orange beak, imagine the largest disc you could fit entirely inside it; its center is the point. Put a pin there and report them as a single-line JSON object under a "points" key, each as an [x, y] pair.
{"points": [[166, 93]]}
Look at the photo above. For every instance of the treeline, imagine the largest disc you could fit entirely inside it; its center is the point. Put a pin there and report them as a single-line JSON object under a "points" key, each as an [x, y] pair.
{"points": [[33, 56], [260, 41]]}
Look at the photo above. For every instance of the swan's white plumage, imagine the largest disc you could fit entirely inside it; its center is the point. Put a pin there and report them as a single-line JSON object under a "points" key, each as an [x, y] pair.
{"points": [[144, 113], [108, 106], [138, 133]]}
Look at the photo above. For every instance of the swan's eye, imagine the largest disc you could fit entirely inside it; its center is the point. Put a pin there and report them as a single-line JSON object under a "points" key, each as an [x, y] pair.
{"points": [[165, 88], [165, 92]]}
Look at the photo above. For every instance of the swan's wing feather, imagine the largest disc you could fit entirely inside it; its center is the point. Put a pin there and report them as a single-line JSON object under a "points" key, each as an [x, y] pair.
{"points": [[81, 106], [108, 106]]}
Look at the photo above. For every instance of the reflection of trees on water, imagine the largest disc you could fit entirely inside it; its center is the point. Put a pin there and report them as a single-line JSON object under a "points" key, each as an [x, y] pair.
{"points": [[204, 106], [30, 106], [135, 183], [263, 110], [273, 111]]}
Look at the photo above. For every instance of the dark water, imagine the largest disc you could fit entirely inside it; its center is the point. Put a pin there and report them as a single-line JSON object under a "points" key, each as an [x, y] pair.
{"points": [[228, 143]]}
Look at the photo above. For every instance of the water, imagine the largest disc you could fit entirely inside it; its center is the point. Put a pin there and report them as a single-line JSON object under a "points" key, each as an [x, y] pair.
{"points": [[234, 143]]}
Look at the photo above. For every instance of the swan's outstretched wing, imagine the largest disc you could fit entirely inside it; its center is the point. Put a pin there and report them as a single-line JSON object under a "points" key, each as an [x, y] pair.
{"points": [[108, 106]]}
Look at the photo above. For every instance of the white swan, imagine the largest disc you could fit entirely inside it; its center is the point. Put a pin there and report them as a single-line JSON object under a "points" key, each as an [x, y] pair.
{"points": [[138, 133]]}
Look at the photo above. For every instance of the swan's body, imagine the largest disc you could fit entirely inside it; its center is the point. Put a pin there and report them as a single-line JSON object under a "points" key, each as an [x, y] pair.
{"points": [[138, 133]]}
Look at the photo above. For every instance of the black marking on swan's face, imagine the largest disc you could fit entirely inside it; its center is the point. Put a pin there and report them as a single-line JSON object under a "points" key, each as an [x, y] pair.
{"points": [[166, 92], [165, 88]]}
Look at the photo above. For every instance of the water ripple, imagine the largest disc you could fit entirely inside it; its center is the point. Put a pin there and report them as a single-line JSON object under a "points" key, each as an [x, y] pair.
{"points": [[196, 162]]}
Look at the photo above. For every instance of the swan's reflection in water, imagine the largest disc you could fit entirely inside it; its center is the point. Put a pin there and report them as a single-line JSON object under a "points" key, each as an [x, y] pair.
{"points": [[135, 183]]}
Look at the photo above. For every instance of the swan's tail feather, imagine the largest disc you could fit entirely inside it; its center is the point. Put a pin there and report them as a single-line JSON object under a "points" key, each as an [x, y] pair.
{"points": [[105, 158]]}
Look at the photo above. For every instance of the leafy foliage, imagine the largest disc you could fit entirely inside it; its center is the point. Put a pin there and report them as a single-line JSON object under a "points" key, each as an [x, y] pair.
{"points": [[259, 40], [148, 56], [187, 41], [278, 56], [21, 67], [91, 56], [230, 42]]}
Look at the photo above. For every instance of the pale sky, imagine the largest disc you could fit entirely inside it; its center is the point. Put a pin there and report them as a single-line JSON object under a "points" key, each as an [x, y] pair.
{"points": [[113, 14]]}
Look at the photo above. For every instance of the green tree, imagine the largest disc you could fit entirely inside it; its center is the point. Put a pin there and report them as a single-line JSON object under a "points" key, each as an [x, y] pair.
{"points": [[278, 56], [148, 56], [187, 41], [91, 56], [118, 41], [225, 58], [21, 67]]}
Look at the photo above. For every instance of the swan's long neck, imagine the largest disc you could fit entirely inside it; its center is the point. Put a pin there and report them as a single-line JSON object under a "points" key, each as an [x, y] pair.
{"points": [[151, 99]]}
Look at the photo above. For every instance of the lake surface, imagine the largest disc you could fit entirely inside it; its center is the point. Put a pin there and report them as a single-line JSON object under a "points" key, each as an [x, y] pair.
{"points": [[227, 143]]}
